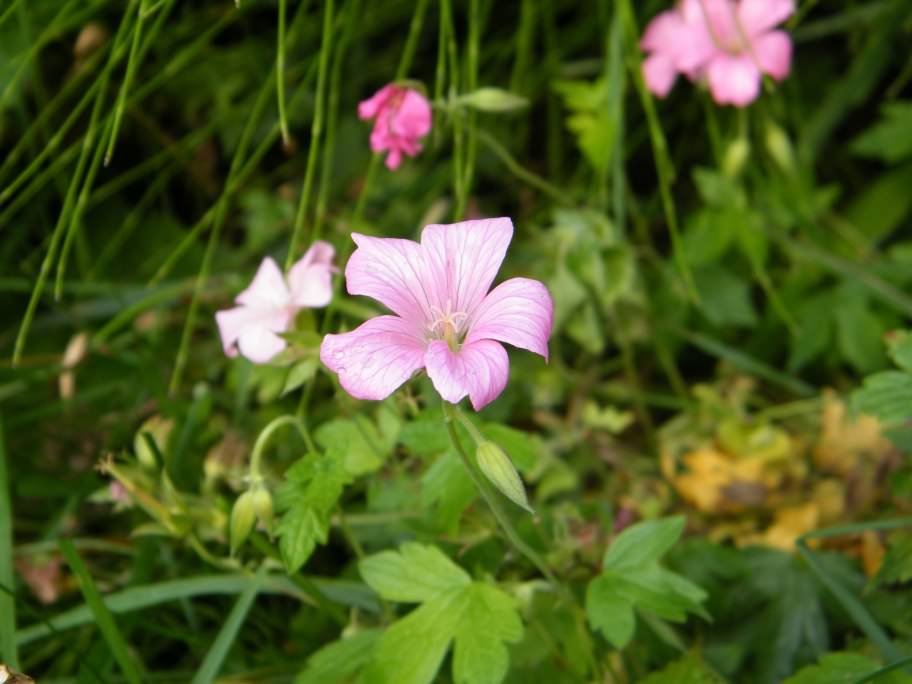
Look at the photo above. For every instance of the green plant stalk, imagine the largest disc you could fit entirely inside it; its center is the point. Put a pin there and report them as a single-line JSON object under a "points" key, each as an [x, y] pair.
{"points": [[520, 172], [663, 164], [128, 79], [471, 148], [280, 74], [8, 651], [62, 220], [316, 131], [103, 618], [451, 414], [263, 439]]}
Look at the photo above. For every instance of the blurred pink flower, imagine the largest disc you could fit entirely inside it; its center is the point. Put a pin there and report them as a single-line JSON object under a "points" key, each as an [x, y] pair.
{"points": [[445, 319], [269, 305], [730, 43], [401, 116]]}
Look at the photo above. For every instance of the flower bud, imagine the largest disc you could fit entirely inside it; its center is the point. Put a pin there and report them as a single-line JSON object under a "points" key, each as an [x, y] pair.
{"points": [[262, 505], [243, 515], [736, 155], [493, 100], [158, 430], [779, 147], [499, 469]]}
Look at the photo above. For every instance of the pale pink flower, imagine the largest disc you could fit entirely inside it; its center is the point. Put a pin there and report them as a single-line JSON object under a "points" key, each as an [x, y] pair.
{"points": [[445, 319], [401, 117], [268, 307], [729, 43]]}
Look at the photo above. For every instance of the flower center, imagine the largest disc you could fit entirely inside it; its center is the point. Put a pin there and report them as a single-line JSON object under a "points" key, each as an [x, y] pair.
{"points": [[447, 325]]}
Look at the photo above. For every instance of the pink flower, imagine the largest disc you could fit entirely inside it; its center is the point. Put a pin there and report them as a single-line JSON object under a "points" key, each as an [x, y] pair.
{"points": [[268, 307], [445, 319], [730, 43], [401, 116]]}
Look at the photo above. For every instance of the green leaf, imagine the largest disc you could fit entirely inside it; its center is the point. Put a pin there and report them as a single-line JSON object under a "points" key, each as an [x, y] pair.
{"points": [[361, 444], [897, 562], [447, 487], [890, 138], [411, 651], [844, 668], [306, 500], [425, 435], [490, 620], [859, 333], [725, 298], [300, 373], [688, 670], [609, 611], [900, 348], [590, 119], [643, 543], [413, 574], [886, 395], [340, 661], [8, 649]]}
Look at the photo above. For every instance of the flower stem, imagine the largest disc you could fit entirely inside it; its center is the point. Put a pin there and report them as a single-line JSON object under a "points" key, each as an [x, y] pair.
{"points": [[267, 433], [450, 413]]}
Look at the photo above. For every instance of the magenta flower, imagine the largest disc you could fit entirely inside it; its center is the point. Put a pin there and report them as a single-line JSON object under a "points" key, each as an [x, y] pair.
{"points": [[401, 116], [445, 319], [268, 307], [729, 43]]}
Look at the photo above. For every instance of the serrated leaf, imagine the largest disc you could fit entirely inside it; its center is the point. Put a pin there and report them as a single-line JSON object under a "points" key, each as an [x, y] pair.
{"points": [[609, 611], [425, 435], [413, 574], [643, 543], [844, 668], [340, 661], [859, 334], [886, 395], [411, 651], [900, 348], [306, 499], [490, 620], [890, 138], [897, 562]]}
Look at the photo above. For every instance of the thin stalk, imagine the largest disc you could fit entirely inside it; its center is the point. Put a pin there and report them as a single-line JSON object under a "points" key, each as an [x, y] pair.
{"points": [[280, 75], [267, 433], [316, 131], [128, 79], [520, 172], [451, 414], [471, 147]]}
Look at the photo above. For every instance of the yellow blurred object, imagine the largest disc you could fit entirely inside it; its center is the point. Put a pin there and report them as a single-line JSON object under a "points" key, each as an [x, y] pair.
{"points": [[872, 552], [845, 444], [789, 523]]}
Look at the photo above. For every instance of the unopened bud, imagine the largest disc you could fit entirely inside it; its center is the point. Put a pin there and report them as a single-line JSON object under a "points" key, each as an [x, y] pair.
{"points": [[157, 430], [493, 100], [736, 155], [779, 147], [499, 469], [262, 505], [243, 516]]}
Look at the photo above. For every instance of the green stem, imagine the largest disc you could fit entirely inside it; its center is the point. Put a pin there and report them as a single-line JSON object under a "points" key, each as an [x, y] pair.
{"points": [[452, 413], [280, 74], [263, 439]]}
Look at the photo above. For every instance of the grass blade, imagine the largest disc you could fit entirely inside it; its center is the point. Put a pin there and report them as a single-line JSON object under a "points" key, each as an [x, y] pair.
{"points": [[216, 655], [8, 652], [103, 618]]}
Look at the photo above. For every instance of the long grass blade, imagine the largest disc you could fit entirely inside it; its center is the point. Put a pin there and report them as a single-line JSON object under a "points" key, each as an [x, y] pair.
{"points": [[103, 618], [212, 663]]}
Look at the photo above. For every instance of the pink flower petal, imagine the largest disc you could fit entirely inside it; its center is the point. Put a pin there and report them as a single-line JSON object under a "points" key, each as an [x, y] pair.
{"points": [[253, 330], [375, 358], [659, 73], [367, 109], [661, 31], [733, 80], [412, 119], [773, 52], [519, 311], [268, 289], [310, 279], [391, 271], [259, 344], [463, 260], [758, 16], [393, 159], [479, 370], [721, 19]]}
